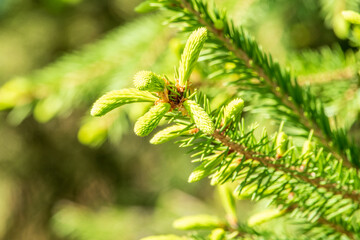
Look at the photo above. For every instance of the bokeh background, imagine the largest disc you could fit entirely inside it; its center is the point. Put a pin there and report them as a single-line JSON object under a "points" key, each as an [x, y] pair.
{"points": [[66, 175]]}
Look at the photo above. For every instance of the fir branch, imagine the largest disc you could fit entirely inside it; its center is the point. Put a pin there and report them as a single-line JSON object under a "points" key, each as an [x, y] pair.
{"points": [[323, 221], [314, 183], [271, 162], [317, 183], [230, 154], [315, 197], [306, 108], [325, 140]]}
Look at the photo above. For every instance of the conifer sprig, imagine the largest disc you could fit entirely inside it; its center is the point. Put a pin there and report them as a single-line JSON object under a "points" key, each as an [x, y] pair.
{"points": [[307, 181], [302, 108], [271, 162], [284, 180], [309, 184], [190, 55], [166, 95], [305, 185]]}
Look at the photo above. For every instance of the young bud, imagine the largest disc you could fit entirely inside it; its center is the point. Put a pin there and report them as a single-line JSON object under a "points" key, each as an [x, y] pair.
{"points": [[197, 175], [281, 144], [167, 134], [197, 222], [307, 147], [114, 99], [200, 117], [217, 234], [147, 123], [233, 109], [149, 81], [191, 54], [351, 16]]}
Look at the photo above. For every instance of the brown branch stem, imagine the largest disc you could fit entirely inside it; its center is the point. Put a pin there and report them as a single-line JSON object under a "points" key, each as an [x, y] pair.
{"points": [[272, 163]]}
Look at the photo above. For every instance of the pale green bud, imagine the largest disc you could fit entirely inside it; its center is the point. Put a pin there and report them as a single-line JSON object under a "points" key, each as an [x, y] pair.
{"points": [[247, 191], [149, 81], [116, 98], [191, 54], [217, 234], [340, 26], [147, 123], [307, 147], [197, 222], [200, 117], [264, 216], [351, 16], [163, 237], [233, 109], [167, 134], [197, 175], [281, 144]]}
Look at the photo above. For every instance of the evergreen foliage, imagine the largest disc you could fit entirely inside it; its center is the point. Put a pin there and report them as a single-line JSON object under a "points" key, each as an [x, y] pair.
{"points": [[297, 105], [190, 55], [148, 81], [316, 184], [307, 172]]}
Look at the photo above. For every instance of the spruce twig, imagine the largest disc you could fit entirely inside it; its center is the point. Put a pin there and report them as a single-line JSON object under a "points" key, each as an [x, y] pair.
{"points": [[270, 162], [308, 123], [324, 221]]}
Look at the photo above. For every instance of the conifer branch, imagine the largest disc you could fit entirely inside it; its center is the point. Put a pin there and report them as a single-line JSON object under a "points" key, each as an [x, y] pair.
{"points": [[271, 162], [309, 123], [313, 184], [316, 182], [323, 221]]}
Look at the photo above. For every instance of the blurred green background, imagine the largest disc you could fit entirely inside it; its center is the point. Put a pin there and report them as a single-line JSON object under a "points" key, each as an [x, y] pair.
{"points": [[66, 175]]}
